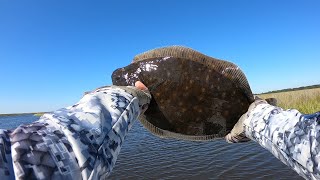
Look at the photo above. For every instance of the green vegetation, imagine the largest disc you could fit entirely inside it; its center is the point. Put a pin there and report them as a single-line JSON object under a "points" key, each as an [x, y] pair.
{"points": [[20, 114], [294, 89], [306, 101], [38, 114]]}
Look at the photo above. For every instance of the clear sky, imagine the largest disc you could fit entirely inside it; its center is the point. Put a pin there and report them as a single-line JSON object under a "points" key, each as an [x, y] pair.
{"points": [[54, 50]]}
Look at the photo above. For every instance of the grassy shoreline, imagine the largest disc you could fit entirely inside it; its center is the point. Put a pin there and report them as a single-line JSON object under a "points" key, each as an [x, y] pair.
{"points": [[307, 101], [21, 114]]}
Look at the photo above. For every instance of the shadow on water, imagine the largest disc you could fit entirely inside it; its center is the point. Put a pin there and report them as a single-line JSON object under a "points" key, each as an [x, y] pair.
{"points": [[144, 156]]}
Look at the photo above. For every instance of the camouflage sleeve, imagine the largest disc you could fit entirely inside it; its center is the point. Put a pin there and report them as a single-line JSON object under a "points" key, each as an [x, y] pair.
{"points": [[78, 142], [289, 135]]}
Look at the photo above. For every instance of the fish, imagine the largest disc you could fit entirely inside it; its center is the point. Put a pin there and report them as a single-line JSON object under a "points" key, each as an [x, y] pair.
{"points": [[194, 96]]}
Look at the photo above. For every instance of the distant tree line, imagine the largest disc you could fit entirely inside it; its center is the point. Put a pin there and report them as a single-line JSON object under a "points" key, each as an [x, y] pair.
{"points": [[293, 89]]}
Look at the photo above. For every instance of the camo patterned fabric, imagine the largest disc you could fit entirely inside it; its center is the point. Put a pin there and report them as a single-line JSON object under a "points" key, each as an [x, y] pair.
{"points": [[78, 142], [290, 136]]}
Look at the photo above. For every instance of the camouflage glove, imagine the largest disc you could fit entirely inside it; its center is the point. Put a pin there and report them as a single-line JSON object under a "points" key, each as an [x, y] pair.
{"points": [[237, 134], [144, 96]]}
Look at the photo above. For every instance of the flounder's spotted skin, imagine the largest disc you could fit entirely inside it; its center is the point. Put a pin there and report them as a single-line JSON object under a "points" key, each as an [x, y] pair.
{"points": [[77, 142], [194, 96], [188, 97], [290, 136]]}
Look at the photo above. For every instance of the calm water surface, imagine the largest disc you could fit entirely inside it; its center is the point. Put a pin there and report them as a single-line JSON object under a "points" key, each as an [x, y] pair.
{"points": [[144, 156]]}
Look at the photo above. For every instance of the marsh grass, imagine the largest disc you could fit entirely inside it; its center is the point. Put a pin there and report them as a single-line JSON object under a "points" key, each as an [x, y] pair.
{"points": [[306, 101], [38, 114], [21, 114], [17, 114]]}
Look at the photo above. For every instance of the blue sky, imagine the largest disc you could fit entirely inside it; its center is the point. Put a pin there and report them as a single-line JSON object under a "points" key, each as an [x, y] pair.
{"points": [[52, 51]]}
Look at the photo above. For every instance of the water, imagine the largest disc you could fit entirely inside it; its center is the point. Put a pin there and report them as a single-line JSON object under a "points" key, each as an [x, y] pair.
{"points": [[144, 156]]}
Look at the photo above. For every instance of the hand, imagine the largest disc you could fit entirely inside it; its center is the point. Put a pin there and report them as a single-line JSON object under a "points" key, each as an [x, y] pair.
{"points": [[237, 134], [143, 88], [141, 92]]}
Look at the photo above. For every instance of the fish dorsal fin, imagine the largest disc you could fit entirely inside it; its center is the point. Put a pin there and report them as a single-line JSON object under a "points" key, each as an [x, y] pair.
{"points": [[228, 69]]}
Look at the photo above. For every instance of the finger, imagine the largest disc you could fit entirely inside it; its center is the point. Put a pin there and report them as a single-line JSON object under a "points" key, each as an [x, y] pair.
{"points": [[230, 139], [140, 86], [144, 108]]}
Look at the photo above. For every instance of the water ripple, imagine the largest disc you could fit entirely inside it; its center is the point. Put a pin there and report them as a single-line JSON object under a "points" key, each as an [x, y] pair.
{"points": [[144, 156]]}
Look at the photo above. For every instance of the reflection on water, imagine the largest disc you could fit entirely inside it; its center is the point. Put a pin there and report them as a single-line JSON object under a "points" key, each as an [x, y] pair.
{"points": [[144, 156]]}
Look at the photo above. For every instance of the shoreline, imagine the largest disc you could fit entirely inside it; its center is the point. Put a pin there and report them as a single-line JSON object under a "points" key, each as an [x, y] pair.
{"points": [[20, 114], [264, 95]]}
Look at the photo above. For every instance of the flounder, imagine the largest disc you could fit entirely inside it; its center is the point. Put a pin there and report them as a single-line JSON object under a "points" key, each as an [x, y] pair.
{"points": [[194, 96]]}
